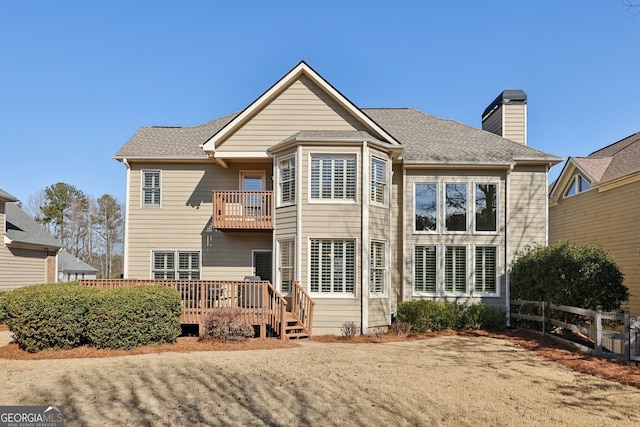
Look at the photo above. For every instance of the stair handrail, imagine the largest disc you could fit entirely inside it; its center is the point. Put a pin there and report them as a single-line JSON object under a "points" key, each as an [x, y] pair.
{"points": [[302, 305], [277, 310]]}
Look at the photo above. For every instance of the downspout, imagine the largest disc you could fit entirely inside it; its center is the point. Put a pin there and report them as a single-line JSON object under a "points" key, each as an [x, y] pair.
{"points": [[298, 245], [125, 270], [506, 243]]}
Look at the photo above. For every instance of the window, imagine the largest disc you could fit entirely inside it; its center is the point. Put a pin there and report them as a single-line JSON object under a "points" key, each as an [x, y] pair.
{"points": [[578, 185], [486, 207], [377, 264], [424, 274], [333, 177], [287, 263], [455, 269], [426, 207], [151, 188], [455, 207], [378, 179], [165, 266], [288, 180], [333, 266], [486, 270]]}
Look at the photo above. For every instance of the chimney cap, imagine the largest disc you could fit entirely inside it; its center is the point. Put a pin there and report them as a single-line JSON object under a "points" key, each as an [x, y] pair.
{"points": [[510, 96]]}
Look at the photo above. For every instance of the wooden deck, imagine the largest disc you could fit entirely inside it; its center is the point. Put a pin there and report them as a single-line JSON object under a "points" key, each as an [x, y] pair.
{"points": [[242, 210], [261, 304]]}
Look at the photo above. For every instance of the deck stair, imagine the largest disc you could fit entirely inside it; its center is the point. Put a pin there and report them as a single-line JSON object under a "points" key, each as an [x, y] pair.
{"points": [[294, 328]]}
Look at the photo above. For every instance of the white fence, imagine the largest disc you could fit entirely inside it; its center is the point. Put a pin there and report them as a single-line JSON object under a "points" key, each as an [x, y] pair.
{"points": [[603, 334]]}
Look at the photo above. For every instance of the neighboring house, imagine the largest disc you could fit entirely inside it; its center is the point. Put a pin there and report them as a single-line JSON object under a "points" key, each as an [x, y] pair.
{"points": [[596, 200], [71, 268], [28, 253], [365, 207]]}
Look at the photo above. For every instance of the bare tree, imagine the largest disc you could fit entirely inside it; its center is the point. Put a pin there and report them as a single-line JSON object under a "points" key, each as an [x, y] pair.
{"points": [[108, 221]]}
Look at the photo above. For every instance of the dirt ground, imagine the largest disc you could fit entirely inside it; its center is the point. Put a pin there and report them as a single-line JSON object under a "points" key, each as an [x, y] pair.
{"points": [[442, 379]]}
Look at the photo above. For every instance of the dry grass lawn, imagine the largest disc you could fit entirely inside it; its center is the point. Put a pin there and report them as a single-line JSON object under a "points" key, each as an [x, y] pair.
{"points": [[446, 380]]}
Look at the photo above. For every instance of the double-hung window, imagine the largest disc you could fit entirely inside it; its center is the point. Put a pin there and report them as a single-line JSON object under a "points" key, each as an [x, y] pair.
{"points": [[486, 207], [151, 188], [287, 264], [378, 180], [184, 265], [486, 270], [455, 196], [455, 269], [333, 177], [425, 269], [377, 268], [287, 180], [333, 266], [425, 207]]}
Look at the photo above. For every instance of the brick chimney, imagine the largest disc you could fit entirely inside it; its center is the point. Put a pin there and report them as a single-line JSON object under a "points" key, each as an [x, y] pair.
{"points": [[506, 116]]}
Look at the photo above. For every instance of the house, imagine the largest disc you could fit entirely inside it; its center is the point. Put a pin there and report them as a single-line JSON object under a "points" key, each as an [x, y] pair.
{"points": [[364, 207], [71, 268], [28, 253], [596, 200]]}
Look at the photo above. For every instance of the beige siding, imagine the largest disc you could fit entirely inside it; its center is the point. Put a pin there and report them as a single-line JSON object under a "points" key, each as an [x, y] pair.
{"points": [[514, 127], [331, 313], [3, 225], [468, 239], [286, 222], [302, 105], [20, 267], [379, 314], [527, 208], [183, 222], [609, 219]]}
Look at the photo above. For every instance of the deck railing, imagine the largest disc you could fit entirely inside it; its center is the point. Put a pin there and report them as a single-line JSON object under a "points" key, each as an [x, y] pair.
{"points": [[260, 303], [243, 210], [302, 305]]}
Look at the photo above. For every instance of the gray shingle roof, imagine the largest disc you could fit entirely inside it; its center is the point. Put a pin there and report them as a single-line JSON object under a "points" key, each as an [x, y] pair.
{"points": [[425, 138], [429, 139], [4, 196], [625, 157], [21, 228], [67, 262], [336, 135], [171, 142]]}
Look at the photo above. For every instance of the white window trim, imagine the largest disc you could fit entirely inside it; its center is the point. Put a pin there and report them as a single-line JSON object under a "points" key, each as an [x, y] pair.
{"points": [[332, 201], [334, 295], [385, 193], [498, 227], [443, 260], [176, 261], [413, 270], [385, 268], [278, 254], [438, 219], [498, 269], [279, 202], [444, 208], [142, 187]]}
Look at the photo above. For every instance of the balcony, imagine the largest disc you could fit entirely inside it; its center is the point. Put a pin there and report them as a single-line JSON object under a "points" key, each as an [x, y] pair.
{"points": [[243, 210]]}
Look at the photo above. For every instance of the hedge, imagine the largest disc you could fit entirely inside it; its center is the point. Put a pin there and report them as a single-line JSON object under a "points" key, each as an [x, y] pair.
{"points": [[48, 316], [426, 315], [142, 315], [67, 315]]}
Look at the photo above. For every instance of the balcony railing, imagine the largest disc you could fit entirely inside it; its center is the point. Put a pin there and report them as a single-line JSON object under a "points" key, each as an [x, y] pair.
{"points": [[243, 210]]}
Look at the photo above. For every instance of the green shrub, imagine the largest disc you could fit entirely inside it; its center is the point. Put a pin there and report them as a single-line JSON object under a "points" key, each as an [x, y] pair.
{"points": [[428, 315], [482, 316], [580, 276], [48, 316], [131, 317], [227, 323]]}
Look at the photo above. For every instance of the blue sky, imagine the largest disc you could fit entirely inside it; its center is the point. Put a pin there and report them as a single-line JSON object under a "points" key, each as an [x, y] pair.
{"points": [[78, 78]]}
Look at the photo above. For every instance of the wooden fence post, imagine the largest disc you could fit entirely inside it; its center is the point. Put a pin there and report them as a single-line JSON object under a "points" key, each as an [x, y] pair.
{"points": [[598, 320], [543, 319]]}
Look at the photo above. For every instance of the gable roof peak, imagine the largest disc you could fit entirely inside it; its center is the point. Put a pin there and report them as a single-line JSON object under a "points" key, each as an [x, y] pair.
{"points": [[302, 68]]}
